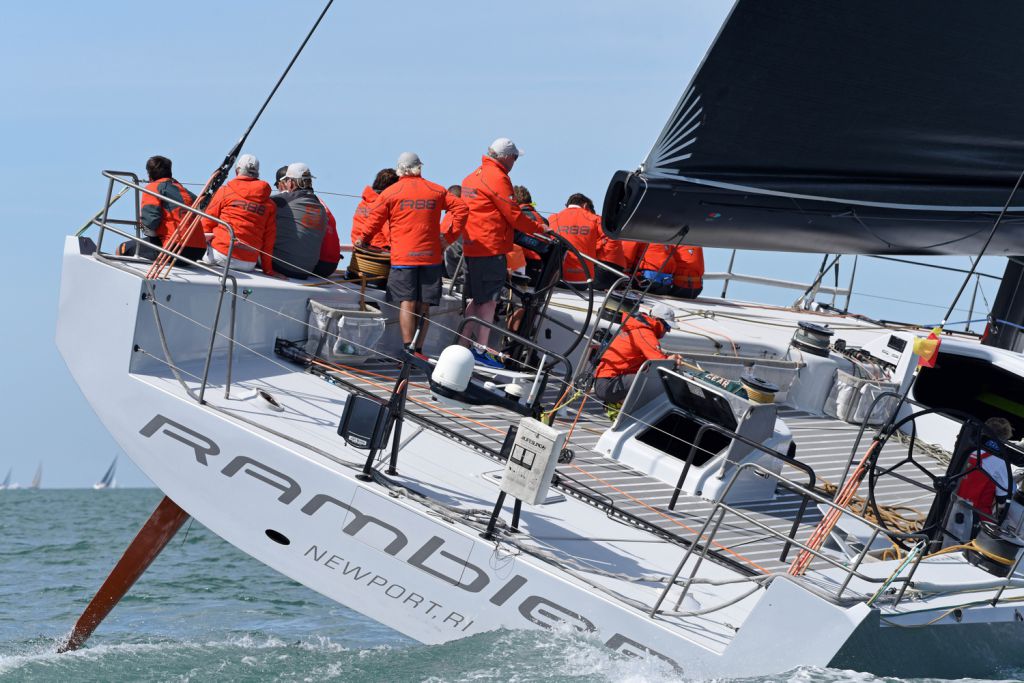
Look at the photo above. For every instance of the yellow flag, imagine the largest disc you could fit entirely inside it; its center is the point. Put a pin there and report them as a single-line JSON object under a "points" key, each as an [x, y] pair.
{"points": [[927, 348]]}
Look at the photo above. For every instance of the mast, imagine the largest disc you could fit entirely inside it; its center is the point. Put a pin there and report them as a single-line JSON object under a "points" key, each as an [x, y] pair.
{"points": [[1004, 325]]}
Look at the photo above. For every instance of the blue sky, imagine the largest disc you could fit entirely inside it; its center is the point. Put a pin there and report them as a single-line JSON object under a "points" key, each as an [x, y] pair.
{"points": [[582, 87]]}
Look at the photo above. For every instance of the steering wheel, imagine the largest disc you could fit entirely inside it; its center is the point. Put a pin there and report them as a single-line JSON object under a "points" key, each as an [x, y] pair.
{"points": [[540, 299], [909, 463]]}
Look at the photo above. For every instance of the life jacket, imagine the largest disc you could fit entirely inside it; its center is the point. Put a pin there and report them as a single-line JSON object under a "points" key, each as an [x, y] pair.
{"points": [[636, 342], [582, 229], [493, 211], [162, 218], [382, 239], [301, 226], [412, 207], [244, 204]]}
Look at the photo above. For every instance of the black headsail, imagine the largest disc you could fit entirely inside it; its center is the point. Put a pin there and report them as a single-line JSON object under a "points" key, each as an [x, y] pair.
{"points": [[834, 126]]}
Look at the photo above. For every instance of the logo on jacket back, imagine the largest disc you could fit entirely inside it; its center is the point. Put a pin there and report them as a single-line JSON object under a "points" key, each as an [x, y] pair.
{"points": [[251, 207], [313, 217], [574, 229], [417, 204]]}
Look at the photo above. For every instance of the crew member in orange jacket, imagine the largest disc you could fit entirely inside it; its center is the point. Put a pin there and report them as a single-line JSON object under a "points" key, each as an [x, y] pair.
{"points": [[243, 203], [633, 252], [412, 208], [582, 229], [688, 278], [493, 217], [658, 266], [159, 219], [524, 199], [635, 343], [386, 177]]}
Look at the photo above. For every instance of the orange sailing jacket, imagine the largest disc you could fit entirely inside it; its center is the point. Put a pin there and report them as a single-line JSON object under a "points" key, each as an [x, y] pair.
{"points": [[610, 250], [582, 229], [412, 207], [493, 212], [330, 248], [689, 271], [381, 240], [635, 343], [631, 251], [161, 218], [244, 204], [660, 258]]}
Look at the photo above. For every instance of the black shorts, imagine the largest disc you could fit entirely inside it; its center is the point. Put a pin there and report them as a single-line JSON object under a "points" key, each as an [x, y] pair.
{"points": [[485, 276], [415, 283]]}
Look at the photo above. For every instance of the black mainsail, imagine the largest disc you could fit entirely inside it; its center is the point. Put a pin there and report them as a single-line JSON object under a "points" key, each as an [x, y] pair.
{"points": [[833, 126]]}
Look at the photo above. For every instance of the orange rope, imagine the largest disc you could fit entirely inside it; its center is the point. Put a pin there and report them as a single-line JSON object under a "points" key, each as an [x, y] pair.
{"points": [[429, 404], [735, 350], [579, 411], [829, 521], [179, 238]]}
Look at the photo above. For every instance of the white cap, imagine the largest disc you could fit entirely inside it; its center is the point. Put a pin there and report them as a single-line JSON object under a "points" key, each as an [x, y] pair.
{"points": [[664, 312], [248, 164], [407, 161], [503, 147], [298, 171]]}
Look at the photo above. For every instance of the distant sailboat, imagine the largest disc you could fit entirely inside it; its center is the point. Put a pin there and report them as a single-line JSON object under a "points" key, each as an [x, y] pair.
{"points": [[108, 481], [7, 481], [38, 478]]}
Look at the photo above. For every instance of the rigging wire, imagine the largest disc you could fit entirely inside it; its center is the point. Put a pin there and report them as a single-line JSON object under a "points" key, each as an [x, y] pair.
{"points": [[843, 497], [179, 238], [669, 518], [984, 248], [303, 322], [479, 518]]}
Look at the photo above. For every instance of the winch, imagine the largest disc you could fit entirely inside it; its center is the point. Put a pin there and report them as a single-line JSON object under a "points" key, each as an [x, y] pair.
{"points": [[812, 338]]}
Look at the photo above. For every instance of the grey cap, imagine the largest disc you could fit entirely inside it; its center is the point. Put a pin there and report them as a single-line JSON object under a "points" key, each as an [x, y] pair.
{"points": [[298, 171], [664, 312], [503, 147], [407, 160], [248, 164]]}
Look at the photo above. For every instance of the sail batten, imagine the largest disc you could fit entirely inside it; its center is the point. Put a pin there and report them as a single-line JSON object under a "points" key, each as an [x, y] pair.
{"points": [[886, 121]]}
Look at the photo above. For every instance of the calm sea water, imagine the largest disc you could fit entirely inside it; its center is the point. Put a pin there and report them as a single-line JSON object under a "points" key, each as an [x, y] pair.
{"points": [[205, 611]]}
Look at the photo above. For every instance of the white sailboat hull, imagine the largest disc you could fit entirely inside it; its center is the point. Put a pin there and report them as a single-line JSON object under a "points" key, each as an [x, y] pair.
{"points": [[301, 512]]}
